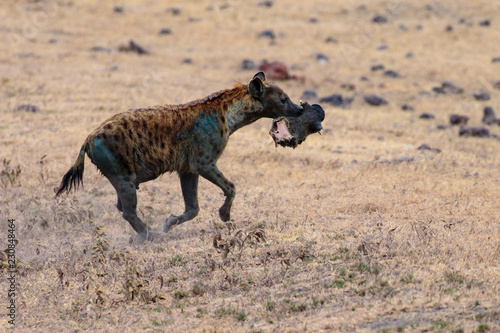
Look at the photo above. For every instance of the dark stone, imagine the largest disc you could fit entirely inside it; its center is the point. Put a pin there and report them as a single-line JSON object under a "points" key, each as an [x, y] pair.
{"points": [[267, 33], [313, 20], [378, 67], [438, 90], [52, 41], [450, 87], [266, 3], [174, 11], [133, 47], [334, 100], [248, 64], [119, 9], [489, 117], [479, 131], [441, 127], [448, 28], [348, 86], [363, 78], [427, 115], [379, 19], [165, 31], [187, 61], [391, 73], [482, 95], [403, 27], [495, 59], [407, 107], [485, 23], [375, 100], [427, 147], [27, 107], [320, 57], [330, 39], [309, 94], [382, 47], [496, 85], [409, 55], [458, 119]]}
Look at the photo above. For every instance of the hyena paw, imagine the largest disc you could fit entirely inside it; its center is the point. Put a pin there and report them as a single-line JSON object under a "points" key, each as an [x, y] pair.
{"points": [[170, 222], [224, 214]]}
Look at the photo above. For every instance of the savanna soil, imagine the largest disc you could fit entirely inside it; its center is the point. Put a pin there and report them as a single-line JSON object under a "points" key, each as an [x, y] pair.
{"points": [[355, 230]]}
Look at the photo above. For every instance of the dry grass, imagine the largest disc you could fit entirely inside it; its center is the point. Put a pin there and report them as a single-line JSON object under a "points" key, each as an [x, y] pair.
{"points": [[353, 231]]}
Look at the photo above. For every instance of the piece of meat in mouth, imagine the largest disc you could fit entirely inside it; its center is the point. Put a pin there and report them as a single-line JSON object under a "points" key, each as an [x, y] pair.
{"points": [[292, 131]]}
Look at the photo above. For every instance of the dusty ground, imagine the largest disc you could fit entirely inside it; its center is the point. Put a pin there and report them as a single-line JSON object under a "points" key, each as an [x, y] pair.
{"points": [[355, 230]]}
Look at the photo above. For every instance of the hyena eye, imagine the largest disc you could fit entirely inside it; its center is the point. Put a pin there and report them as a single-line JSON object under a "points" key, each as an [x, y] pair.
{"points": [[284, 100]]}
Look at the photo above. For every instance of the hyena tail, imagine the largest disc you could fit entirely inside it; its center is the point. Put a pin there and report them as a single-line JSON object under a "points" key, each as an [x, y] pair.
{"points": [[74, 177]]}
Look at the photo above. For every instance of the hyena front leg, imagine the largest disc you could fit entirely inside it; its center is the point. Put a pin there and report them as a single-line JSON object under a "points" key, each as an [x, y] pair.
{"points": [[189, 186], [213, 174]]}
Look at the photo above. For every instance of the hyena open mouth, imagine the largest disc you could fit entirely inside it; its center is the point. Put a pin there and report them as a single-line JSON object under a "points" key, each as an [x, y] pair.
{"points": [[292, 131]]}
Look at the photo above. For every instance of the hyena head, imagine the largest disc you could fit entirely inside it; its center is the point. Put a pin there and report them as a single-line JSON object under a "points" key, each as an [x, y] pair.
{"points": [[274, 100]]}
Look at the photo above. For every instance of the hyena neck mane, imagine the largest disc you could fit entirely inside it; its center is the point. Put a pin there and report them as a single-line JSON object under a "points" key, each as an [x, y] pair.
{"points": [[235, 105]]}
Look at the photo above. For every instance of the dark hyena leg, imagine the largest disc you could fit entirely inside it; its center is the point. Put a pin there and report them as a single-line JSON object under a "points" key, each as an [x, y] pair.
{"points": [[189, 185], [127, 199], [213, 174]]}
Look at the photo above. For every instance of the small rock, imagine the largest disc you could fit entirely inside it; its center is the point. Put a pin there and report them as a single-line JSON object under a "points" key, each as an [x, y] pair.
{"points": [[496, 85], [133, 47], [441, 127], [391, 73], [427, 115], [382, 47], [330, 39], [457, 119], [174, 11], [313, 20], [348, 86], [427, 147], [379, 19], [321, 58], [375, 100], [489, 117], [482, 95], [187, 61], [495, 59], [451, 88], [419, 27], [27, 107], [119, 9], [378, 67], [409, 55], [52, 41], [448, 28], [267, 33], [403, 27], [485, 23], [266, 3], [407, 107], [248, 64], [334, 100], [438, 90], [479, 131], [165, 31], [309, 94], [363, 78], [194, 19]]}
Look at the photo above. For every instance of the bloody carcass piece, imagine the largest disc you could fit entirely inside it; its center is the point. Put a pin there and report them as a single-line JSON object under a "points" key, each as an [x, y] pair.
{"points": [[292, 131]]}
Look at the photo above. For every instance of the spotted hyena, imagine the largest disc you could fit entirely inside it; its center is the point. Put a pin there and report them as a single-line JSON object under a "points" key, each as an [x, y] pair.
{"points": [[134, 147]]}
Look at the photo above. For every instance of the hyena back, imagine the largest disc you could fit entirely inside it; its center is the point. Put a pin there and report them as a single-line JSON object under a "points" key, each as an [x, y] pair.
{"points": [[137, 146]]}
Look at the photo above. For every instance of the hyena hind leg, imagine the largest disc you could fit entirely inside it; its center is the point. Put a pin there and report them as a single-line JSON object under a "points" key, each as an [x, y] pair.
{"points": [[127, 204]]}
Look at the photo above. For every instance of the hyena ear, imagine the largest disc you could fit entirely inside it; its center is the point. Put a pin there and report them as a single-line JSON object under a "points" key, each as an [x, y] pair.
{"points": [[256, 86], [260, 75]]}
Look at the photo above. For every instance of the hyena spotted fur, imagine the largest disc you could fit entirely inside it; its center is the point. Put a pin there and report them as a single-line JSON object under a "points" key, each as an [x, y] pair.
{"points": [[134, 147]]}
